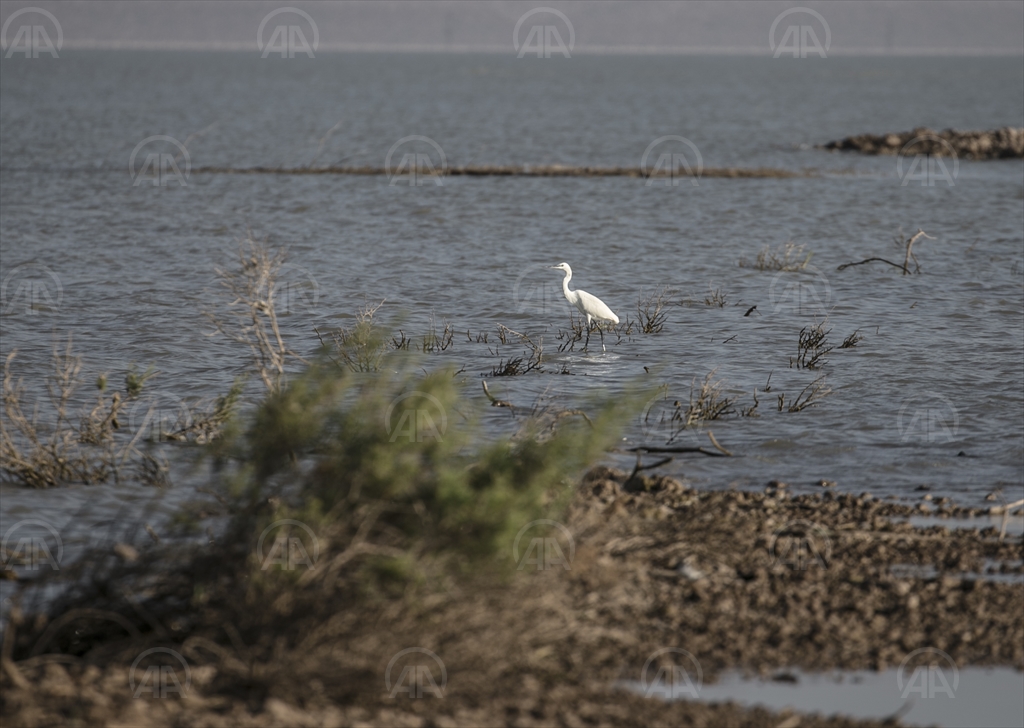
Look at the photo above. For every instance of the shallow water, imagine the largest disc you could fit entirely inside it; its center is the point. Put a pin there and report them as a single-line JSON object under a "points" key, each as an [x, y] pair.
{"points": [[933, 395], [951, 697]]}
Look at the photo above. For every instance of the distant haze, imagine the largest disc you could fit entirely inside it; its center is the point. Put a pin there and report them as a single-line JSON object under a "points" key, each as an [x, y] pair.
{"points": [[882, 27]]}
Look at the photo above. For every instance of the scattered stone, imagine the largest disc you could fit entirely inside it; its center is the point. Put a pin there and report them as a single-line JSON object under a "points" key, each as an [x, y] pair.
{"points": [[126, 552], [741, 580], [1005, 143]]}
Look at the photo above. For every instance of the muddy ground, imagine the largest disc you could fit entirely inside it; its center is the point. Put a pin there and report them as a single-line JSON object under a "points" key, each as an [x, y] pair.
{"points": [[756, 581]]}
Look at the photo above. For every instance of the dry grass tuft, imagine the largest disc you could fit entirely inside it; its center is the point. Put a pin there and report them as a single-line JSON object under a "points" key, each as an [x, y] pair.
{"points": [[787, 257], [707, 401], [252, 289]]}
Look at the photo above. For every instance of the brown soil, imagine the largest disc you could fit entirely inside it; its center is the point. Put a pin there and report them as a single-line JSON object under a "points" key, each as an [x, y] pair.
{"points": [[1005, 143], [755, 581]]}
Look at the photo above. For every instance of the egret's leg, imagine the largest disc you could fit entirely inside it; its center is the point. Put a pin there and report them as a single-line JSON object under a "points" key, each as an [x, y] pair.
{"points": [[602, 337], [587, 342]]}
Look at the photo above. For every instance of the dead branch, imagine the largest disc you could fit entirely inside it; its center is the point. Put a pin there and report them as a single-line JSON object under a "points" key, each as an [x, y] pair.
{"points": [[722, 452], [495, 402], [252, 288], [908, 254]]}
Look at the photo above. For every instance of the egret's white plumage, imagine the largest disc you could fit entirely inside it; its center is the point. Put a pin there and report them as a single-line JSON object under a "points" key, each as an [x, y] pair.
{"points": [[590, 306]]}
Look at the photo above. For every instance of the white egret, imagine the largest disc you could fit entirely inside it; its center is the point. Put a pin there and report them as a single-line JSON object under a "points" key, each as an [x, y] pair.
{"points": [[590, 306]]}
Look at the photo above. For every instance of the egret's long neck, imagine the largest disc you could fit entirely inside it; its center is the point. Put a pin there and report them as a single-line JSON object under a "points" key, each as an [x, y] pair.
{"points": [[565, 285]]}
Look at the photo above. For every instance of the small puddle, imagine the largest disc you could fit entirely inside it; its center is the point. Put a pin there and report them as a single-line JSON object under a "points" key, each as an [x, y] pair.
{"points": [[993, 571], [971, 696], [1014, 524]]}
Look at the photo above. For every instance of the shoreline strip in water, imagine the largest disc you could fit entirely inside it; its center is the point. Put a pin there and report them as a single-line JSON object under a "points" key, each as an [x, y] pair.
{"points": [[527, 170]]}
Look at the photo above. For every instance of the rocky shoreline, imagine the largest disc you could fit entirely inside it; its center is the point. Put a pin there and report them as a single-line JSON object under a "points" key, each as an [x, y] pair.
{"points": [[756, 581], [1004, 143]]}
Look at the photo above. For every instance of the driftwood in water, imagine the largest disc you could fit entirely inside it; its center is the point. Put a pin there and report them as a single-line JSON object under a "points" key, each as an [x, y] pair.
{"points": [[909, 256]]}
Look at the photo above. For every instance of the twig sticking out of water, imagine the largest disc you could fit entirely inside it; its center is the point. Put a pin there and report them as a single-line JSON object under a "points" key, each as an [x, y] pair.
{"points": [[640, 466], [908, 254], [809, 396], [434, 342], [650, 312], [812, 347], [707, 401], [721, 451], [751, 411], [852, 340], [715, 297], [495, 402], [516, 366], [574, 335]]}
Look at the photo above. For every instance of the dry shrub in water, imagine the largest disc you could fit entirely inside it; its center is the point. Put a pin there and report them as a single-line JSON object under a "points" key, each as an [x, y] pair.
{"points": [[812, 347], [852, 340], [715, 297], [787, 257], [809, 396], [363, 347], [518, 365], [650, 312], [95, 446], [253, 287], [707, 402]]}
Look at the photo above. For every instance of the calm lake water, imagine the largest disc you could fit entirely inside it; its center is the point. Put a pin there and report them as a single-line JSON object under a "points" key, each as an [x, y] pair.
{"points": [[933, 395]]}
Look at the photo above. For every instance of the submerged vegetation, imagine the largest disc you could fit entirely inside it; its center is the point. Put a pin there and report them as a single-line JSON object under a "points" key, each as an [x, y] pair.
{"points": [[650, 312], [96, 447], [786, 257], [105, 438]]}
